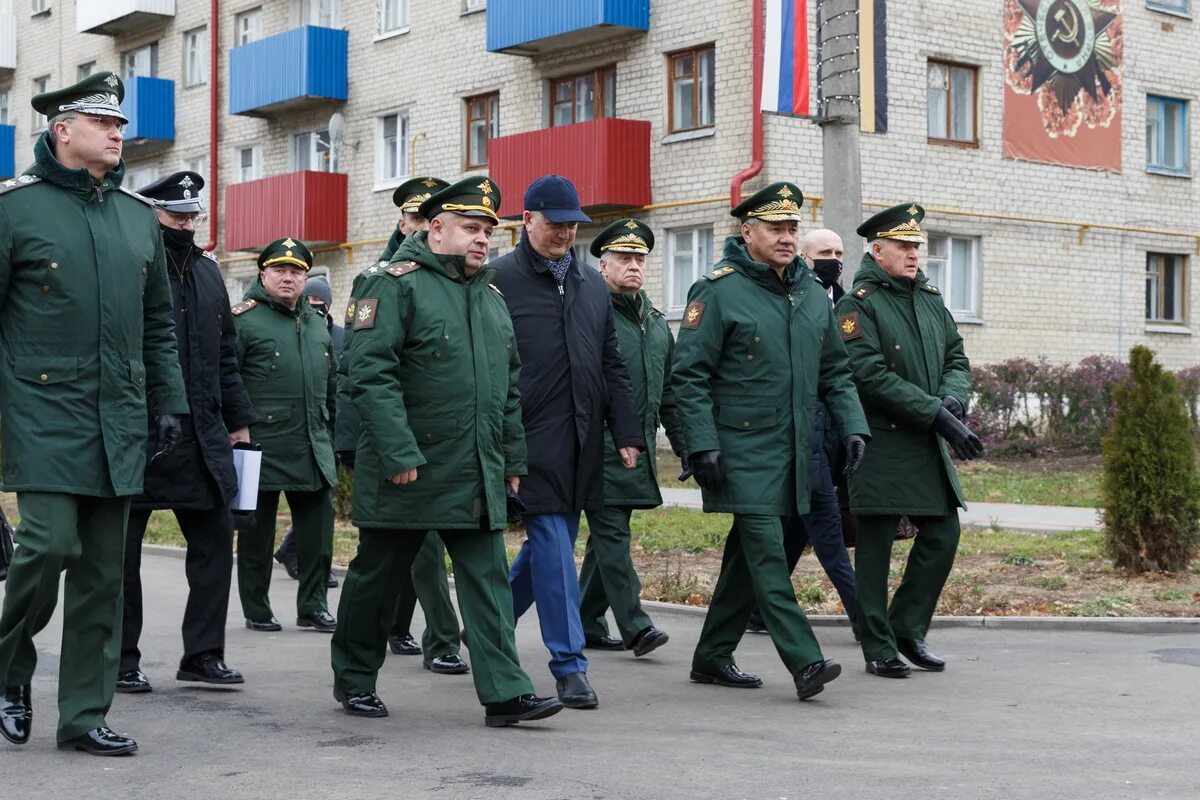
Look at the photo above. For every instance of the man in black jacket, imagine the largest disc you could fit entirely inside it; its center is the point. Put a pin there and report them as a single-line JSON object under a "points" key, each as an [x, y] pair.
{"points": [[197, 480], [573, 382]]}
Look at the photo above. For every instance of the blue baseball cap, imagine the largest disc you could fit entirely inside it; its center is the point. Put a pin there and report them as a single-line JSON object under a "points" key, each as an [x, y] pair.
{"points": [[556, 198]]}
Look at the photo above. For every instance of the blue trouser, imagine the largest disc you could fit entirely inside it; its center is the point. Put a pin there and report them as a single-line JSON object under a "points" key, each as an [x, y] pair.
{"points": [[544, 571], [822, 527]]}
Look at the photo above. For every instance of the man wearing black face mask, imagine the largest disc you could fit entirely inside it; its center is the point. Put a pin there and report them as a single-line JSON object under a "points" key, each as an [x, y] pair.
{"points": [[197, 480], [822, 251]]}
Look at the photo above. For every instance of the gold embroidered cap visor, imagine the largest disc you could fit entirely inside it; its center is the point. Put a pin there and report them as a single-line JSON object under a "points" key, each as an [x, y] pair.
{"points": [[99, 94], [778, 202], [900, 223], [409, 195], [626, 235], [285, 252], [474, 196]]}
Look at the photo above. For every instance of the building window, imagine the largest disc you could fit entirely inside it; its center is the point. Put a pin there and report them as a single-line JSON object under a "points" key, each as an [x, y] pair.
{"points": [[1172, 6], [582, 253], [138, 177], [309, 151], [195, 57], [249, 163], [392, 147], [483, 123], [40, 85], [473, 5], [690, 254], [141, 62], [952, 102], [692, 92], [84, 70], [198, 165], [579, 98], [323, 13], [5, 99], [1166, 135], [953, 267], [247, 27], [1166, 287], [393, 16], [40, 7]]}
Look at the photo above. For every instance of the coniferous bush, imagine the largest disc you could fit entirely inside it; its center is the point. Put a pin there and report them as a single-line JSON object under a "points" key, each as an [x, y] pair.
{"points": [[1150, 481]]}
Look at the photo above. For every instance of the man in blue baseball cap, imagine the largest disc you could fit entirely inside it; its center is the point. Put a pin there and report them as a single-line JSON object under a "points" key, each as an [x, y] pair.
{"points": [[573, 381]]}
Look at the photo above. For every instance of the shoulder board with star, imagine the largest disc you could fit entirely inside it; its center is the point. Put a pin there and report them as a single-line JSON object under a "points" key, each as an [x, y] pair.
{"points": [[864, 289], [134, 194], [402, 268], [929, 287], [242, 308], [654, 312], [374, 269], [720, 272], [16, 183]]}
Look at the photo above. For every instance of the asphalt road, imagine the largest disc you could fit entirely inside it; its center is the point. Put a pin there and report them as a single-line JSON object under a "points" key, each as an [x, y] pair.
{"points": [[1018, 714]]}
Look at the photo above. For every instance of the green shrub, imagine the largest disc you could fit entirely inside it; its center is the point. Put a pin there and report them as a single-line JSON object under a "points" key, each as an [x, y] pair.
{"points": [[1150, 484], [343, 496]]}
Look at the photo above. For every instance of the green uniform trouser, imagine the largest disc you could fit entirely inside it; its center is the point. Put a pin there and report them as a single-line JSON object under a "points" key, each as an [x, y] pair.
{"points": [[608, 579], [385, 556], [428, 584], [754, 572], [929, 564], [86, 537], [312, 520]]}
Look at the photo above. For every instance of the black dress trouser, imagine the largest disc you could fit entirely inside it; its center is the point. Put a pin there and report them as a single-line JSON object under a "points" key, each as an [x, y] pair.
{"points": [[209, 570]]}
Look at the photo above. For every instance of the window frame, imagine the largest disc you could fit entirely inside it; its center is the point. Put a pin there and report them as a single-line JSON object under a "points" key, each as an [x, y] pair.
{"points": [[383, 32], [697, 105], [1178, 8], [599, 101], [40, 7], [314, 9], [152, 47], [700, 265], [950, 66], [6, 107], [149, 173], [1183, 136], [491, 127], [946, 283], [403, 141], [198, 59], [1181, 295], [314, 151], [256, 159], [40, 121], [472, 6], [253, 15], [90, 66]]}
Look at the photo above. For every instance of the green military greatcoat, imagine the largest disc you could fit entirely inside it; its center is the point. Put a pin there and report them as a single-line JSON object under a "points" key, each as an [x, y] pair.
{"points": [[906, 354]]}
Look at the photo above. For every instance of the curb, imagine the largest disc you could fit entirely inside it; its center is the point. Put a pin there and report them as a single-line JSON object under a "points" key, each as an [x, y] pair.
{"points": [[1141, 625]]}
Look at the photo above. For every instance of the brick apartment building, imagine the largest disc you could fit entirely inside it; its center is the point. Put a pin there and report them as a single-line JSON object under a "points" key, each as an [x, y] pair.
{"points": [[647, 103]]}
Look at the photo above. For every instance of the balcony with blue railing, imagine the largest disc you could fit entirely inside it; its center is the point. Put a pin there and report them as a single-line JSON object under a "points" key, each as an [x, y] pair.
{"points": [[533, 27], [294, 69], [8, 151], [150, 105]]}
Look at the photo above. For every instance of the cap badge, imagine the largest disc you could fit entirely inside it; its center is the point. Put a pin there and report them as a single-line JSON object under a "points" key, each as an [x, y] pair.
{"points": [[631, 225], [486, 187], [487, 202], [429, 182], [785, 192], [912, 210], [187, 194], [289, 243], [111, 80], [187, 182]]}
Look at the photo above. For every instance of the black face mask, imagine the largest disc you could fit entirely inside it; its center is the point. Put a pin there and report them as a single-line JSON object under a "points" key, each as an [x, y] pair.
{"points": [[827, 270], [177, 240]]}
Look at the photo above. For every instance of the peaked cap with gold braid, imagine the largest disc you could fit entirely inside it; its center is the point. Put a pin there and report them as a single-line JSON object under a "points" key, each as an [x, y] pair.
{"points": [[902, 223], [779, 202], [286, 252], [410, 194], [626, 235], [473, 196]]}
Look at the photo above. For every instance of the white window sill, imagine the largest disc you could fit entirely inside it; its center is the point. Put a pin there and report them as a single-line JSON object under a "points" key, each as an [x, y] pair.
{"points": [[1167, 172], [37, 14], [392, 34], [466, 12], [687, 136], [389, 185], [967, 319], [1171, 12], [1177, 330]]}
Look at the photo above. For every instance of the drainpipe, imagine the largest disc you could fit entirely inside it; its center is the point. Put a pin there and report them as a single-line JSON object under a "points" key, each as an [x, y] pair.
{"points": [[756, 117], [214, 136]]}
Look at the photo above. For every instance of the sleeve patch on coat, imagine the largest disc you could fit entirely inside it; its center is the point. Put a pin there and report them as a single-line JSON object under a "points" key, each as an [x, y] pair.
{"points": [[693, 314], [364, 315], [849, 326], [350, 308]]}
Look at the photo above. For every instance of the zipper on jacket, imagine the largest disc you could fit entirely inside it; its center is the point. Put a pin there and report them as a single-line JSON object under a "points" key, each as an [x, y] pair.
{"points": [[562, 294]]}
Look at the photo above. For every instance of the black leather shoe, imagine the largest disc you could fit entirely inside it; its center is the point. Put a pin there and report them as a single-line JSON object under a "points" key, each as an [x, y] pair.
{"points": [[290, 562], [208, 668], [269, 624], [812, 679], [649, 640], [520, 709], [101, 742], [331, 581], [133, 681], [575, 692], [449, 664], [320, 621], [755, 624], [920, 655], [361, 704], [888, 668], [728, 675], [603, 643], [16, 714], [404, 645]]}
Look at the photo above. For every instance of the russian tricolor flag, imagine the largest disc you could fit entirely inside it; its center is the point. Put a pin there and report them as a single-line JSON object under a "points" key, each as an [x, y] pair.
{"points": [[785, 88]]}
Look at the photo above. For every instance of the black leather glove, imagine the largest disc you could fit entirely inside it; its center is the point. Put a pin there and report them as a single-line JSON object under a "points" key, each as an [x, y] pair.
{"points": [[243, 520], [346, 459], [964, 444], [685, 471], [514, 508], [709, 469], [853, 448], [951, 404], [169, 430]]}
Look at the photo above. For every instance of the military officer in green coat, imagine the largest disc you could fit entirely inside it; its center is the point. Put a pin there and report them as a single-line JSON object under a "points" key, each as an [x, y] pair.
{"points": [[288, 366], [428, 583], [87, 355], [434, 367], [756, 347], [607, 578], [914, 380]]}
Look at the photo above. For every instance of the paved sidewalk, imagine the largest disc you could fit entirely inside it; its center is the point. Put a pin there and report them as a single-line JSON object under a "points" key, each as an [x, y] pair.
{"points": [[1018, 715], [1040, 519]]}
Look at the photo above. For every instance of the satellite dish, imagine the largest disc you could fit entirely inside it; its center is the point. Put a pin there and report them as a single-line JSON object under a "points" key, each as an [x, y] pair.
{"points": [[337, 129]]}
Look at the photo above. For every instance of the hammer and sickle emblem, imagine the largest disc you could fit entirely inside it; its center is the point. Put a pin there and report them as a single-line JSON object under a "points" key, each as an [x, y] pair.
{"points": [[1068, 30]]}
